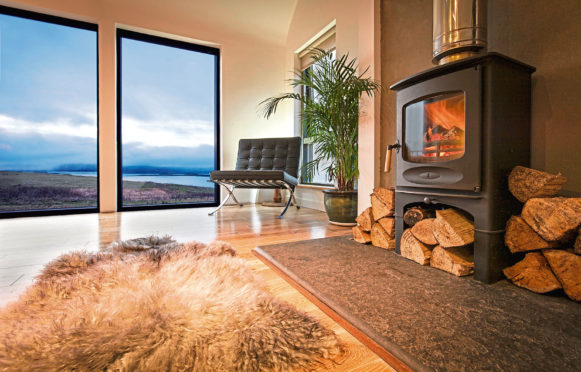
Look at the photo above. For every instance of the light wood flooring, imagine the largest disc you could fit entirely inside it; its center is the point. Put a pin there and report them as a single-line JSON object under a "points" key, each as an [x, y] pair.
{"points": [[26, 244]]}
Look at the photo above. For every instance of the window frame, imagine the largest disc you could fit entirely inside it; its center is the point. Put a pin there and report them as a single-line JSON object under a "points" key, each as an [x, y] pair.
{"points": [[308, 140], [67, 22], [164, 41]]}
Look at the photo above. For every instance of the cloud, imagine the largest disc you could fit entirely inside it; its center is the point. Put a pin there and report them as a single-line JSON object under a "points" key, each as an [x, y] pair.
{"points": [[145, 133], [167, 133], [37, 145], [65, 127], [30, 152]]}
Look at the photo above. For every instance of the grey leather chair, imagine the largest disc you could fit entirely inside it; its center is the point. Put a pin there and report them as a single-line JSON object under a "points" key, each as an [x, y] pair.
{"points": [[263, 163]]}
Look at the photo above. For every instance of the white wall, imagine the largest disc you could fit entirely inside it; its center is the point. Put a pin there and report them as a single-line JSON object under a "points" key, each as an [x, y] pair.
{"points": [[357, 33], [255, 64], [253, 68]]}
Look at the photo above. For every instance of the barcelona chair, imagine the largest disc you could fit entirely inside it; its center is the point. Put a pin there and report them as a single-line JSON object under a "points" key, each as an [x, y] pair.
{"points": [[262, 163]]}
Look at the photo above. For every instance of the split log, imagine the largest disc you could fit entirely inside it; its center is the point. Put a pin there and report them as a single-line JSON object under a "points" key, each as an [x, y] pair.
{"points": [[388, 224], [360, 235], [567, 269], [533, 273], [424, 231], [520, 237], [526, 183], [380, 238], [458, 261], [553, 218], [379, 208], [577, 245], [416, 214], [365, 219], [386, 195], [413, 249], [452, 229]]}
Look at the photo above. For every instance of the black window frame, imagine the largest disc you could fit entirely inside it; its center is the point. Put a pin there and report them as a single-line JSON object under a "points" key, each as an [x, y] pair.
{"points": [[163, 41], [61, 21]]}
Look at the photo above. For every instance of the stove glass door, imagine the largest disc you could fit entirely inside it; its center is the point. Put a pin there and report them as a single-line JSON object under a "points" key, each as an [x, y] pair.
{"points": [[434, 129]]}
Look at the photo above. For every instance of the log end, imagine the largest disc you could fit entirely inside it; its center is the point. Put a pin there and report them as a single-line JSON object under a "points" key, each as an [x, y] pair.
{"points": [[527, 183], [360, 235], [458, 261], [533, 273], [424, 231], [412, 249], [380, 238], [567, 268]]}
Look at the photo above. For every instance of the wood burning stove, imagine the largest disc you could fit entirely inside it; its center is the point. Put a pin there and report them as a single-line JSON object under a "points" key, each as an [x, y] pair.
{"points": [[461, 128]]}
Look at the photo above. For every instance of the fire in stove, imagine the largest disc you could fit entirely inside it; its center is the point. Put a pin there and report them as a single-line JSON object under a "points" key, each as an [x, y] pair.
{"points": [[444, 132], [440, 121]]}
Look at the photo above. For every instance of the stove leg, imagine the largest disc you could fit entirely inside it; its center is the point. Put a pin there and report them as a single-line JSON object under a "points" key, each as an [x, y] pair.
{"points": [[490, 256]]}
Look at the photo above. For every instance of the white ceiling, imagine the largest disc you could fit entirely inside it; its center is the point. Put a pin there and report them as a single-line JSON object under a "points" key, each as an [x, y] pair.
{"points": [[268, 20]]}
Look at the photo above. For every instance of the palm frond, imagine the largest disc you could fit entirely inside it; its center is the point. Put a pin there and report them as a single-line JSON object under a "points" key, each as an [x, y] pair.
{"points": [[330, 114]]}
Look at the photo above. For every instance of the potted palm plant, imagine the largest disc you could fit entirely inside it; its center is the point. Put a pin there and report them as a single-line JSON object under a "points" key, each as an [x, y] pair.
{"points": [[330, 117]]}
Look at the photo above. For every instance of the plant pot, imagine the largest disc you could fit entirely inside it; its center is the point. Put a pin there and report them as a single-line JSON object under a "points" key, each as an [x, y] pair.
{"points": [[341, 207]]}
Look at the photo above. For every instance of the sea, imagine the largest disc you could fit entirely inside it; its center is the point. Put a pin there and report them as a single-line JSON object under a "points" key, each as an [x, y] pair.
{"points": [[200, 181]]}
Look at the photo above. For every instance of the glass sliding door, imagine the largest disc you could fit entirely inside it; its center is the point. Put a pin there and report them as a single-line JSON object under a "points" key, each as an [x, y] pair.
{"points": [[167, 122], [48, 114]]}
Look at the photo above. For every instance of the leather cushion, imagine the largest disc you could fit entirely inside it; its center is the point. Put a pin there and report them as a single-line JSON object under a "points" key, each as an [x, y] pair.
{"points": [[270, 154], [254, 175]]}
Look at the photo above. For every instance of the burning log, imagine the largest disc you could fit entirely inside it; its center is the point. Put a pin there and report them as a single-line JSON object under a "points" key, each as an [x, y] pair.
{"points": [[424, 231], [458, 261], [388, 224], [360, 235], [567, 269], [452, 229], [365, 219], [380, 238], [416, 214], [553, 218], [379, 208], [520, 237], [413, 249], [533, 273], [526, 183]]}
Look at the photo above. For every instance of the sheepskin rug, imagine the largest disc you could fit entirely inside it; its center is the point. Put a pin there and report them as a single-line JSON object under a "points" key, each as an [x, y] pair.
{"points": [[153, 304]]}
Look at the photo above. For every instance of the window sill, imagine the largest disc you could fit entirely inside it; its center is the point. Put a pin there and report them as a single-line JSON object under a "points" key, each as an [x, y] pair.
{"points": [[314, 187]]}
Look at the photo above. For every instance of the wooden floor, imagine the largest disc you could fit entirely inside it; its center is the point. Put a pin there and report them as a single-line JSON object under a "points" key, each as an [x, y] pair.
{"points": [[26, 244]]}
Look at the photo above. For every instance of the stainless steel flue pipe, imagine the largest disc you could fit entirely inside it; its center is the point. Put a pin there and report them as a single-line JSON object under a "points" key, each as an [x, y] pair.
{"points": [[459, 29]]}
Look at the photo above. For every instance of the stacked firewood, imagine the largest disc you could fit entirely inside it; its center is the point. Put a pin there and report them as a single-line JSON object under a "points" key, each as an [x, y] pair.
{"points": [[548, 232], [444, 242], [376, 224]]}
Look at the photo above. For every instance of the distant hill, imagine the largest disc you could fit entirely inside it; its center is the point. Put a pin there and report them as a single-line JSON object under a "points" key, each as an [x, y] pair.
{"points": [[146, 169], [138, 169], [76, 168]]}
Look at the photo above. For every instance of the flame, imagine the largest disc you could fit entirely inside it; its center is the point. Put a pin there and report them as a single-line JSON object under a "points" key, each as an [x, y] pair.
{"points": [[447, 113]]}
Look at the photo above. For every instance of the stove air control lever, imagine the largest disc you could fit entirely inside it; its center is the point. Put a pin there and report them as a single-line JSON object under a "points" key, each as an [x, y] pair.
{"points": [[429, 200]]}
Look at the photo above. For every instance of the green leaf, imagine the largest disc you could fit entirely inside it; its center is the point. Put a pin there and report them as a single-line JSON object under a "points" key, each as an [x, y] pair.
{"points": [[330, 115]]}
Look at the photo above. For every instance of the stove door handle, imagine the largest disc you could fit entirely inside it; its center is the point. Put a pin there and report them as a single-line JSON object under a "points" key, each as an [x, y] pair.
{"points": [[387, 166]]}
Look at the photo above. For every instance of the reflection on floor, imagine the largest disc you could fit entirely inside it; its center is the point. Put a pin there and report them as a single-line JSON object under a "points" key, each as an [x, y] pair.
{"points": [[26, 244]]}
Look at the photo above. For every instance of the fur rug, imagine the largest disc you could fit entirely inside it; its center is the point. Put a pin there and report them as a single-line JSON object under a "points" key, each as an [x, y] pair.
{"points": [[153, 304]]}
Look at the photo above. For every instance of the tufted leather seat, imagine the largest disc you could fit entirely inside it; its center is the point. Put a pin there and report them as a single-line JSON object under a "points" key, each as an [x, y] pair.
{"points": [[265, 158], [263, 163]]}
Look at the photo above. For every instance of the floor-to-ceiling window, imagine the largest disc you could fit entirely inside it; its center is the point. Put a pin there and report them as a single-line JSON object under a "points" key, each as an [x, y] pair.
{"points": [[167, 122], [48, 114]]}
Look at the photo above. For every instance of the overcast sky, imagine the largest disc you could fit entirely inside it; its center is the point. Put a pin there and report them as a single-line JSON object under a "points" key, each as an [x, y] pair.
{"points": [[48, 100]]}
